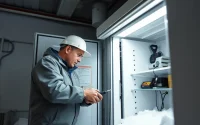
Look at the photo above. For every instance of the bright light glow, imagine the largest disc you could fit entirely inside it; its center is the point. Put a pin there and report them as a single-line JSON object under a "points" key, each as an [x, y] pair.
{"points": [[143, 10], [154, 16], [136, 15]]}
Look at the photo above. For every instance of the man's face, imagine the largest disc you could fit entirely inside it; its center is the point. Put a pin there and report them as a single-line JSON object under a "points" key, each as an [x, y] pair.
{"points": [[74, 56]]}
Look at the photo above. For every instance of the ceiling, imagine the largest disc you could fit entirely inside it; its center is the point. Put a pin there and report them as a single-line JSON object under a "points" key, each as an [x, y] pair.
{"points": [[155, 31], [77, 10]]}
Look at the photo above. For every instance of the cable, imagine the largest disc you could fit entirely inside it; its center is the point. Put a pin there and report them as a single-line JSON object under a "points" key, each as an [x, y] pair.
{"points": [[162, 99], [154, 71], [155, 79], [8, 52]]}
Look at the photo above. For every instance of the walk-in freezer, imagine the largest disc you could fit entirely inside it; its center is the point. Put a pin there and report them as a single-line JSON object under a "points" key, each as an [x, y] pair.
{"points": [[138, 66]]}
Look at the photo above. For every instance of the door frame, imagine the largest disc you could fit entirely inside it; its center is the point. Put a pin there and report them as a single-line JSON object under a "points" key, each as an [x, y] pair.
{"points": [[99, 65]]}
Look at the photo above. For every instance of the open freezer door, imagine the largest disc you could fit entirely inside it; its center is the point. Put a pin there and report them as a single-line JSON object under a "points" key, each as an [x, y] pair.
{"points": [[130, 53]]}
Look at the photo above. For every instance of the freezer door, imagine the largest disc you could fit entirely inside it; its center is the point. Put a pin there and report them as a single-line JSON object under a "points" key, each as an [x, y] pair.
{"points": [[111, 80], [91, 113], [184, 32]]}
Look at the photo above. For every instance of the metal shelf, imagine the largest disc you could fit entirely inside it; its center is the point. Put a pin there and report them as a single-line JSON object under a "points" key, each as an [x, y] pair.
{"points": [[149, 73], [155, 89]]}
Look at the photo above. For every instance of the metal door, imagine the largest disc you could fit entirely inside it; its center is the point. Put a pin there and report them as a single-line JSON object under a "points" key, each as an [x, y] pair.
{"points": [[44, 41]]}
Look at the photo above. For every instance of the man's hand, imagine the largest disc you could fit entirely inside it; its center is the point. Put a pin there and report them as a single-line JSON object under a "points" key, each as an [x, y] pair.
{"points": [[92, 96]]}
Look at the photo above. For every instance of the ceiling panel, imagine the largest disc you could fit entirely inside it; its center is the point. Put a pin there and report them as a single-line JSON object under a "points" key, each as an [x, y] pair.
{"points": [[66, 7], [10, 2], [35, 4], [82, 13], [46, 5], [154, 35], [161, 38], [19, 3], [83, 10], [152, 27], [2, 1], [153, 31], [28, 4]]}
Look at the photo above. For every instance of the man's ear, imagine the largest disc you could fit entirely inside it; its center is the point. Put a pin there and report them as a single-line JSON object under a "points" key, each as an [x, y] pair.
{"points": [[68, 49]]}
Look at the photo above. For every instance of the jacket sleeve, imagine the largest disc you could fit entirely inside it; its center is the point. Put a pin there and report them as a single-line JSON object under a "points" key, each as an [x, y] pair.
{"points": [[46, 75], [85, 104]]}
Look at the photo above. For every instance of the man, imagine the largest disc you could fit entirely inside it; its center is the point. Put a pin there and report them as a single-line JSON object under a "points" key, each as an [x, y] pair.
{"points": [[56, 95]]}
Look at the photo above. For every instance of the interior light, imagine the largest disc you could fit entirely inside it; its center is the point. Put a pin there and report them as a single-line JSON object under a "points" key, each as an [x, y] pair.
{"points": [[154, 16]]}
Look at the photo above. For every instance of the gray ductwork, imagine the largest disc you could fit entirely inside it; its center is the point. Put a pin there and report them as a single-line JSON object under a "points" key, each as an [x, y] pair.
{"points": [[99, 12]]}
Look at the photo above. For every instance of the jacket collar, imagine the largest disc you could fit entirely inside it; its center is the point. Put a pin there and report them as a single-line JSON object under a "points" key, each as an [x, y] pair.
{"points": [[54, 53]]}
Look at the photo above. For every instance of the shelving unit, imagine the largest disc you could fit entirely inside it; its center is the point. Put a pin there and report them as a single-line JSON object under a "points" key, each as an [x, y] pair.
{"points": [[149, 73]]}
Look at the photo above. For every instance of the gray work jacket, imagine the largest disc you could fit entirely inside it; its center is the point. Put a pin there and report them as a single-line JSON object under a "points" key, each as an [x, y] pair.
{"points": [[56, 95]]}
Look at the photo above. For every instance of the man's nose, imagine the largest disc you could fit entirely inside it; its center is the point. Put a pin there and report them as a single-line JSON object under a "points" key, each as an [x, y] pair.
{"points": [[79, 59]]}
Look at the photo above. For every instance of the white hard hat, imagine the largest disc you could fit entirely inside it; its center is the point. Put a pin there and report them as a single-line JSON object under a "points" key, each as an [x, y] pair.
{"points": [[77, 42]]}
